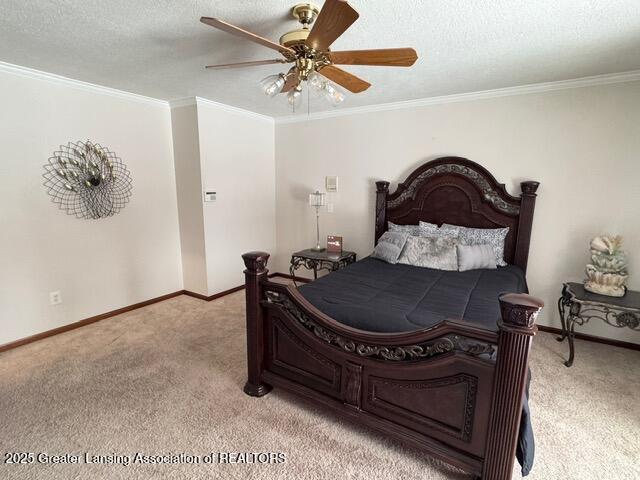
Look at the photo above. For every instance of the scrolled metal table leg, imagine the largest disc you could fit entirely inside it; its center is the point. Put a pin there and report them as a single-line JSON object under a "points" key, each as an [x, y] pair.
{"points": [[292, 271], [561, 311], [570, 327]]}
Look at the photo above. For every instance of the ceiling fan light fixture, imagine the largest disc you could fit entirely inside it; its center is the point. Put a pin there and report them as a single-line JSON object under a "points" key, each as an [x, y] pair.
{"points": [[272, 85]]}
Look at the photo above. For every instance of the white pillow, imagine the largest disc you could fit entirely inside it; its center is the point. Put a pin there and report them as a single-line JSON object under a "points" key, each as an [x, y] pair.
{"points": [[477, 236], [473, 257]]}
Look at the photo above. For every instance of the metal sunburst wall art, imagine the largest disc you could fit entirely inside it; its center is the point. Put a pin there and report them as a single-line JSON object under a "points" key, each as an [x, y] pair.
{"points": [[87, 180]]}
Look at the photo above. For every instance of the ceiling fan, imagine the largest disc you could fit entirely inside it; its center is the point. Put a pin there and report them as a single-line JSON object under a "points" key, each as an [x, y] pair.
{"points": [[308, 49]]}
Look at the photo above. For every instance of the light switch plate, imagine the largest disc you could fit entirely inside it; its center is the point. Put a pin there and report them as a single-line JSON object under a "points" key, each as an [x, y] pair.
{"points": [[331, 184]]}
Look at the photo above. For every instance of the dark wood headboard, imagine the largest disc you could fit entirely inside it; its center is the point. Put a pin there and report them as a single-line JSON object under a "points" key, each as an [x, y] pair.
{"points": [[458, 191]]}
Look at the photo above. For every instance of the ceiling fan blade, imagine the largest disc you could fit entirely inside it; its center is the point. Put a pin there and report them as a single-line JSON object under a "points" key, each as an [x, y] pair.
{"points": [[347, 80], [387, 57], [333, 20], [246, 64], [292, 80], [227, 27]]}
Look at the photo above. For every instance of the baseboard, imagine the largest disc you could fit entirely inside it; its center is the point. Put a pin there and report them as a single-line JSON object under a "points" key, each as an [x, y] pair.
{"points": [[86, 321], [215, 295], [241, 287], [593, 338], [113, 313]]}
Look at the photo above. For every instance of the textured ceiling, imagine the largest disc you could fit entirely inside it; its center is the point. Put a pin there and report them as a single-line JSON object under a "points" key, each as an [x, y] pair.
{"points": [[158, 48]]}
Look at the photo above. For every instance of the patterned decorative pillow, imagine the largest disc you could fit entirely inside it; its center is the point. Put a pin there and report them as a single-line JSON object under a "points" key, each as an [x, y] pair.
{"points": [[427, 228], [408, 229], [431, 229], [473, 257], [390, 246], [477, 236], [430, 252]]}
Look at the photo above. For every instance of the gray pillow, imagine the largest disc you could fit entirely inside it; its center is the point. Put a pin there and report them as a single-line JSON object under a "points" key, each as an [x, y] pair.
{"points": [[477, 236], [473, 257], [430, 252], [408, 229], [390, 246]]}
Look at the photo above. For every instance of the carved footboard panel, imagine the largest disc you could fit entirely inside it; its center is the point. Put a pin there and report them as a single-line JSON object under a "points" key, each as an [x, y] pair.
{"points": [[454, 391]]}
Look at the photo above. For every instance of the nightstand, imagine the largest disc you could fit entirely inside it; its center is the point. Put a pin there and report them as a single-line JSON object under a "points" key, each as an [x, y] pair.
{"points": [[578, 306], [314, 260]]}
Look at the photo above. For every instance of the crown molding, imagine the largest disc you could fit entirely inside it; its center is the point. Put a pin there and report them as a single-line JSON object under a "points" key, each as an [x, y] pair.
{"points": [[231, 109], [236, 110], [596, 80], [182, 102], [70, 82], [188, 101]]}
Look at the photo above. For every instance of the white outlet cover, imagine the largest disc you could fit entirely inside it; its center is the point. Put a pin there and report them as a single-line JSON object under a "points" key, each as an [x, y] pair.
{"points": [[55, 298]]}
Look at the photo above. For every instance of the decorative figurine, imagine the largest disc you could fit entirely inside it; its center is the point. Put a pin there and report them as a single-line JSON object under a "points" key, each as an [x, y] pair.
{"points": [[607, 272]]}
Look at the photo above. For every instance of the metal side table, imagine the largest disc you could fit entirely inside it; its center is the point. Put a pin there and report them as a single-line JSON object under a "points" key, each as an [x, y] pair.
{"points": [[578, 306], [314, 260]]}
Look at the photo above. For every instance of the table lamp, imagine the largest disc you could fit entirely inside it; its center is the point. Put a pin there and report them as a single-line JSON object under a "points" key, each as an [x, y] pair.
{"points": [[317, 200]]}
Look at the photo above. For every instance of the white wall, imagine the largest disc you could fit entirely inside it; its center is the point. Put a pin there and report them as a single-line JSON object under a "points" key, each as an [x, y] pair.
{"points": [[98, 265], [237, 162], [186, 151], [583, 145]]}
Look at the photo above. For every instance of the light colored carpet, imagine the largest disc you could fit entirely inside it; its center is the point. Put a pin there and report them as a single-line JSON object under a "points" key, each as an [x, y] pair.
{"points": [[167, 379]]}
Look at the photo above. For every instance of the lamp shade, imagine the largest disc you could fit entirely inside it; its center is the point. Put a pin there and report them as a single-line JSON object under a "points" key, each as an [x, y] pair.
{"points": [[317, 199]]}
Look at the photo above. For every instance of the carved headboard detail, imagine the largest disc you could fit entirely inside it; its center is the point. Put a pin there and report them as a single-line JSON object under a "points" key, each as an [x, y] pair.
{"points": [[460, 192]]}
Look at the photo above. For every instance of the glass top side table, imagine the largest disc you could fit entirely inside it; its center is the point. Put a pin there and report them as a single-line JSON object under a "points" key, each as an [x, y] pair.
{"points": [[578, 306], [314, 260]]}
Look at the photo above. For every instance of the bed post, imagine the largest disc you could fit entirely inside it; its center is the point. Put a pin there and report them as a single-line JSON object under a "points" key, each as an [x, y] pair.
{"points": [[517, 328], [525, 223], [382, 189], [256, 263]]}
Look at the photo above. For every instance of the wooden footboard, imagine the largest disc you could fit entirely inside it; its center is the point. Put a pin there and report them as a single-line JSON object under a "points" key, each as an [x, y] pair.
{"points": [[455, 391]]}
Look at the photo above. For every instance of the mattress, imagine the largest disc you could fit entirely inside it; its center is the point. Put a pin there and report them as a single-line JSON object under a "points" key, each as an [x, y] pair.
{"points": [[376, 296]]}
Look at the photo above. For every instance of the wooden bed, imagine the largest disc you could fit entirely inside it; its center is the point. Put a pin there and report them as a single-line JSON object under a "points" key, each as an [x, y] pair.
{"points": [[454, 391]]}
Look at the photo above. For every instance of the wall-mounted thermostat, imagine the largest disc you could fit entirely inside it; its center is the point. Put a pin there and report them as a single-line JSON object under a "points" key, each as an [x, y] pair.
{"points": [[331, 184], [209, 196]]}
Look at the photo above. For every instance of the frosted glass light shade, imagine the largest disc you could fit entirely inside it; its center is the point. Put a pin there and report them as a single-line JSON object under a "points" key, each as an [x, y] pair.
{"points": [[272, 85], [294, 97], [316, 82], [332, 94], [317, 199]]}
